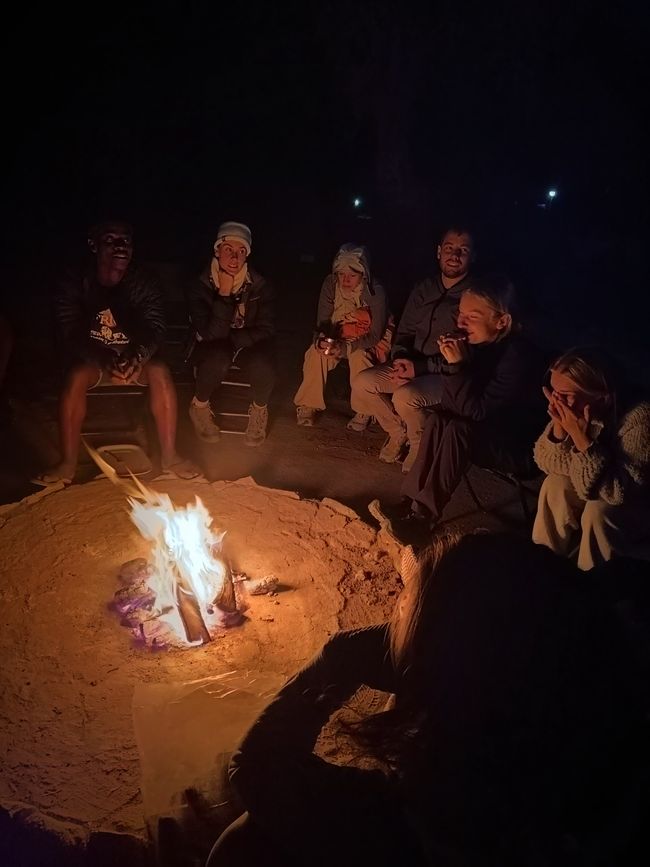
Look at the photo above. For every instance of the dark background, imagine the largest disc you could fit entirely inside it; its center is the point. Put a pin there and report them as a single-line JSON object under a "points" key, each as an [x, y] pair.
{"points": [[180, 115]]}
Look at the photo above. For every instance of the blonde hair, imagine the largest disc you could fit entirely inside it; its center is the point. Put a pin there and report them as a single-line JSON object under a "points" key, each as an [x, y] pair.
{"points": [[590, 369], [498, 292]]}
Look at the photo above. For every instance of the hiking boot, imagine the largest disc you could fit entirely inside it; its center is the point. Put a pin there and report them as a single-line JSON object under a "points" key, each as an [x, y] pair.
{"points": [[407, 522], [359, 422], [204, 424], [306, 416], [393, 448], [258, 419]]}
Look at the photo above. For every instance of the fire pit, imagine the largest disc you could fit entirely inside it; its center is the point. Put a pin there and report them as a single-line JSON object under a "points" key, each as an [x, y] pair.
{"points": [[186, 594], [69, 671]]}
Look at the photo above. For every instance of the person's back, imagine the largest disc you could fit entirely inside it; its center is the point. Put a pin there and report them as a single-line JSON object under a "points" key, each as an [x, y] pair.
{"points": [[513, 738]]}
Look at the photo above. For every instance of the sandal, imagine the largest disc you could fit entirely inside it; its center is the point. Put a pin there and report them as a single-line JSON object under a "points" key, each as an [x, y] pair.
{"points": [[182, 469], [50, 478]]}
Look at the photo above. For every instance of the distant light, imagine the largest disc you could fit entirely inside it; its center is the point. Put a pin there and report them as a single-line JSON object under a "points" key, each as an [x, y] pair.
{"points": [[356, 203], [552, 194]]}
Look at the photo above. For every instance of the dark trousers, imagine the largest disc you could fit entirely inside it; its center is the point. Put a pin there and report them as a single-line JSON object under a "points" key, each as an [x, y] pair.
{"points": [[213, 358], [449, 444]]}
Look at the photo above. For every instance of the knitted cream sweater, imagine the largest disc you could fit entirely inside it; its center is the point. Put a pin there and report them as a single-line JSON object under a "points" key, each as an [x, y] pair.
{"points": [[607, 471]]}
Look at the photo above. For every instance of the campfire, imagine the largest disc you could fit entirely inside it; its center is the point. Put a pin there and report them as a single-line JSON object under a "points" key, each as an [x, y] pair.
{"points": [[185, 594]]}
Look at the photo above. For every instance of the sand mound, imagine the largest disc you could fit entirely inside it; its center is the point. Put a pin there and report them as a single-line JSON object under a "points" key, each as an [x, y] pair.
{"points": [[69, 669]]}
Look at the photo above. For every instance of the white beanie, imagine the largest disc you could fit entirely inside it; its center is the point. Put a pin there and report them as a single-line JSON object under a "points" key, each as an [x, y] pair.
{"points": [[231, 231]]}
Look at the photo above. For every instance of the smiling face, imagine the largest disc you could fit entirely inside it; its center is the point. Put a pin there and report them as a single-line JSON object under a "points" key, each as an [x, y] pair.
{"points": [[455, 253], [231, 256], [113, 246], [480, 321]]}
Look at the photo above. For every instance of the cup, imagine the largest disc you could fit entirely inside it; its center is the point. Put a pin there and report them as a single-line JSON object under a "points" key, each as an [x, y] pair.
{"points": [[327, 345]]}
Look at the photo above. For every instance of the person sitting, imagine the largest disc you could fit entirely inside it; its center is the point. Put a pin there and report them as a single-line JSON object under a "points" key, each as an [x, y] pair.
{"points": [[111, 323], [351, 324], [487, 412], [231, 311], [398, 393], [595, 451], [514, 734]]}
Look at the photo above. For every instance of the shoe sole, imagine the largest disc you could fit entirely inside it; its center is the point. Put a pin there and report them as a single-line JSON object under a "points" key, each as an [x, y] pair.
{"points": [[209, 438]]}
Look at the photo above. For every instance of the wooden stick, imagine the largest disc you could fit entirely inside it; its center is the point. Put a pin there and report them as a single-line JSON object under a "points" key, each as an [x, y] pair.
{"points": [[225, 599], [188, 607]]}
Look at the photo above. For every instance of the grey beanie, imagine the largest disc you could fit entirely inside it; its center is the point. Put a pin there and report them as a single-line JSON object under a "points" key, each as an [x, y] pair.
{"points": [[235, 231], [353, 257]]}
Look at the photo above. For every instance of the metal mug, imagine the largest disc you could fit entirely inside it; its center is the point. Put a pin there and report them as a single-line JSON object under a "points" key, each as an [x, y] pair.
{"points": [[327, 345]]}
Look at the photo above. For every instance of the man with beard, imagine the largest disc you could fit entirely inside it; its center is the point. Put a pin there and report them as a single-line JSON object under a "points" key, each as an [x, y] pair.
{"points": [[111, 323], [398, 393]]}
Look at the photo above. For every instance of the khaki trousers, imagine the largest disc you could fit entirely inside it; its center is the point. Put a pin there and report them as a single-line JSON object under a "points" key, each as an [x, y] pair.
{"points": [[592, 530], [397, 407], [315, 369]]}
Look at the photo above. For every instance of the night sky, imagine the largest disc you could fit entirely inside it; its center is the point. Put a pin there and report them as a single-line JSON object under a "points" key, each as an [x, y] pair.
{"points": [[182, 114]]}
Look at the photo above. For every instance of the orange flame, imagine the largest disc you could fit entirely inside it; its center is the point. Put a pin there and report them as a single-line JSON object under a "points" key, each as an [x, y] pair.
{"points": [[185, 550]]}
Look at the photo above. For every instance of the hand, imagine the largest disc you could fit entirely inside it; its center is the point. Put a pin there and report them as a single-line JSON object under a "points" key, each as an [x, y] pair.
{"points": [[125, 368], [402, 370], [571, 423], [557, 430], [335, 349], [226, 282], [453, 349]]}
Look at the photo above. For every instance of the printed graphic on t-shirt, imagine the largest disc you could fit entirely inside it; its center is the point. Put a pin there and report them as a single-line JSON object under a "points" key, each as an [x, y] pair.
{"points": [[105, 329]]}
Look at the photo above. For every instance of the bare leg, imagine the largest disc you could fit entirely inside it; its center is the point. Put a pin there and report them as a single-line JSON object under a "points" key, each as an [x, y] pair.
{"points": [[72, 411], [163, 404], [164, 408]]}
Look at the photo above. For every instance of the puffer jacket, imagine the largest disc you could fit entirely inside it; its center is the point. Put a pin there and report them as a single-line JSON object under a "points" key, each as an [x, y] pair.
{"points": [[212, 314]]}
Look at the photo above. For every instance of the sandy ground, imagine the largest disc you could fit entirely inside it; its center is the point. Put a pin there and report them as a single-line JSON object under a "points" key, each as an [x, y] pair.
{"points": [[67, 743], [68, 749]]}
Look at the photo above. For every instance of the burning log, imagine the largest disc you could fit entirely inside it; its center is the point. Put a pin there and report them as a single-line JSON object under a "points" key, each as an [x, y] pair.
{"points": [[188, 608], [190, 579], [225, 599]]}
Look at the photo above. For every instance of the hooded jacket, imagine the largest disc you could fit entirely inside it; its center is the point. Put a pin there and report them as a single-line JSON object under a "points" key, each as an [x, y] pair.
{"points": [[373, 297]]}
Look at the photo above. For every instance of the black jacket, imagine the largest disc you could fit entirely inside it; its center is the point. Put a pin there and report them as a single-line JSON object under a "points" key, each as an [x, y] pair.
{"points": [[497, 377], [212, 314], [136, 303]]}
